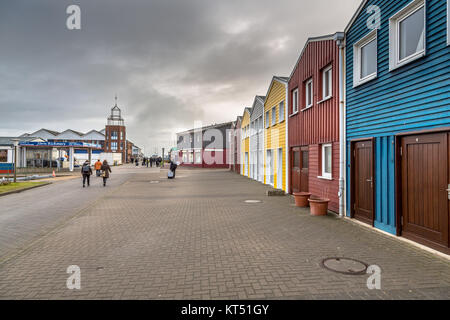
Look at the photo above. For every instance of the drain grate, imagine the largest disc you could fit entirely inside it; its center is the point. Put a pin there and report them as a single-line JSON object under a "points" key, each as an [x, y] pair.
{"points": [[252, 201], [154, 181], [347, 266]]}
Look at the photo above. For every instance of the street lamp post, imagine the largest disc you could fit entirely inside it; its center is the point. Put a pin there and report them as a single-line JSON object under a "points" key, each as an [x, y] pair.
{"points": [[16, 143]]}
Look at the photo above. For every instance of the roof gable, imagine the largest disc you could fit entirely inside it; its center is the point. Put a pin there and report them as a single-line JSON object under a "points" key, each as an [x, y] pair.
{"points": [[282, 80], [44, 134], [69, 134], [355, 15], [334, 36]]}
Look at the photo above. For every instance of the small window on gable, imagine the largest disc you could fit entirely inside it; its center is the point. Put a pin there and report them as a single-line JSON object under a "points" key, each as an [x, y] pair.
{"points": [[308, 93], [274, 115], [327, 82], [407, 34], [281, 112], [295, 101], [365, 59]]}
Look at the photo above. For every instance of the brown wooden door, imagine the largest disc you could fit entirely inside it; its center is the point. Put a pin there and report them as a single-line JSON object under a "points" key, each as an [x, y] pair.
{"points": [[363, 181], [295, 172], [424, 184], [304, 169]]}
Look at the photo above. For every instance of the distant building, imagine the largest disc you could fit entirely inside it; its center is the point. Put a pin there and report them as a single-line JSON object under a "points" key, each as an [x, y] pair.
{"points": [[205, 147], [50, 148]]}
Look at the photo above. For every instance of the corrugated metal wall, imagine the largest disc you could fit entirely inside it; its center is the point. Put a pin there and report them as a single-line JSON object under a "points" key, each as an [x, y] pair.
{"points": [[411, 98], [256, 138]]}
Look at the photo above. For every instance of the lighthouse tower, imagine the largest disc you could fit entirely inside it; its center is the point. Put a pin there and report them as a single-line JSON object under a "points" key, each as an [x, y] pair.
{"points": [[115, 133]]}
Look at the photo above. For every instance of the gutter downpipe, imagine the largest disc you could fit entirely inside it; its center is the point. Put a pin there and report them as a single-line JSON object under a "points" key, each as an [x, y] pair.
{"points": [[340, 41]]}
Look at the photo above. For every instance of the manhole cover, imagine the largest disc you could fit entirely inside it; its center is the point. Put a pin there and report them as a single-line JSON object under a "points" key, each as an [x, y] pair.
{"points": [[253, 201], [155, 181], [345, 265]]}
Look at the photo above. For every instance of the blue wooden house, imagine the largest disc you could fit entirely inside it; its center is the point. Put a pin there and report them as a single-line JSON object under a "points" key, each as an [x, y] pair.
{"points": [[398, 118]]}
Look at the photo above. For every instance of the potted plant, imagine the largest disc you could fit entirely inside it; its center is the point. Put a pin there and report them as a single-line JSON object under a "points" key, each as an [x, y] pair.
{"points": [[301, 199], [319, 205]]}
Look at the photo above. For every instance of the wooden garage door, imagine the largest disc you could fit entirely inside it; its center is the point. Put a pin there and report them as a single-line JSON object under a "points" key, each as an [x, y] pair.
{"points": [[304, 169], [363, 181], [295, 171], [424, 183]]}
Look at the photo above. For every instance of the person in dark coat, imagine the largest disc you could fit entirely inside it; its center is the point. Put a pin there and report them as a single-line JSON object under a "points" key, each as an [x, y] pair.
{"points": [[137, 162], [86, 172], [106, 169], [173, 167]]}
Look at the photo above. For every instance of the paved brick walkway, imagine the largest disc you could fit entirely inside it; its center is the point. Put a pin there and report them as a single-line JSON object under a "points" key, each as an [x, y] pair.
{"points": [[195, 238]]}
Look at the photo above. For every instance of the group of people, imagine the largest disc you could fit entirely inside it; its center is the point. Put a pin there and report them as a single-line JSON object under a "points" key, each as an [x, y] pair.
{"points": [[102, 170], [148, 161]]}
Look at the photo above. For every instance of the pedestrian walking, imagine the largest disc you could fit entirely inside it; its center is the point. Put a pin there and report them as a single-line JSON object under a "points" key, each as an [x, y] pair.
{"points": [[86, 172], [137, 162], [172, 169], [106, 169], [98, 168]]}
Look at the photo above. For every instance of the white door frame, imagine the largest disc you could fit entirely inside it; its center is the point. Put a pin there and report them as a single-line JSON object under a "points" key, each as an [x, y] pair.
{"points": [[280, 168]]}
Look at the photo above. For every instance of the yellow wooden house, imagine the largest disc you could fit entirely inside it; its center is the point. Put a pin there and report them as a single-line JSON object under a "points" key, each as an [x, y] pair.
{"points": [[245, 142], [275, 134]]}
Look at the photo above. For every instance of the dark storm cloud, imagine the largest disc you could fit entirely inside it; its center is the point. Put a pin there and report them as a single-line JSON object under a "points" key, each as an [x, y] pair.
{"points": [[170, 62]]}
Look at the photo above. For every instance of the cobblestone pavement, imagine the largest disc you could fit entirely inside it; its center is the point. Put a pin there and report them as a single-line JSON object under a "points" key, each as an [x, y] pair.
{"points": [[195, 238], [33, 213]]}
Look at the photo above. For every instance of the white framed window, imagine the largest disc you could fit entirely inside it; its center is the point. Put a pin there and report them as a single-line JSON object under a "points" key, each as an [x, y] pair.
{"points": [[281, 112], [365, 59], [407, 34], [295, 101], [267, 119], [326, 161], [274, 115], [114, 146], [3, 155], [308, 93], [327, 82], [198, 157]]}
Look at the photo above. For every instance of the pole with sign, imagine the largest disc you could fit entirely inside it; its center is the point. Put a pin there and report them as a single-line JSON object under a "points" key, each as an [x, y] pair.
{"points": [[16, 143]]}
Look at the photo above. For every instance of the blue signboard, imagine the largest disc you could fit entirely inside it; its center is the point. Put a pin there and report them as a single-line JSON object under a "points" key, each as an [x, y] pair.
{"points": [[60, 144]]}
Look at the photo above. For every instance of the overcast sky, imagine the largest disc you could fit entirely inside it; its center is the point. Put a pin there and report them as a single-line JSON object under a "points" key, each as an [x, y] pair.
{"points": [[171, 62]]}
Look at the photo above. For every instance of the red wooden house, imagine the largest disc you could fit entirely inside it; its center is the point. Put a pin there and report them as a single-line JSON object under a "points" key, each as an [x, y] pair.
{"points": [[314, 121]]}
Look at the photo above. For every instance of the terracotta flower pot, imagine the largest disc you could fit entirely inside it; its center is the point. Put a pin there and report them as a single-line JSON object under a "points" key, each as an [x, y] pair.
{"points": [[319, 207], [301, 199]]}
